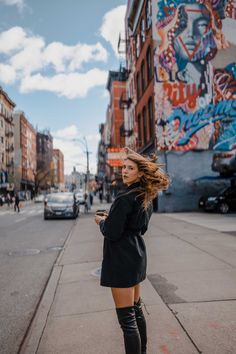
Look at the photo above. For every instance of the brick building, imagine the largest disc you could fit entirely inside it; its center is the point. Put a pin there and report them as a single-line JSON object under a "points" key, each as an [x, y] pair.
{"points": [[58, 169], [140, 66], [6, 143], [25, 153], [44, 147]]}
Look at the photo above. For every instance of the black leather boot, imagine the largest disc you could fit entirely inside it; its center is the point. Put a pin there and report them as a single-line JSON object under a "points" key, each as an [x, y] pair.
{"points": [[127, 321], [141, 322]]}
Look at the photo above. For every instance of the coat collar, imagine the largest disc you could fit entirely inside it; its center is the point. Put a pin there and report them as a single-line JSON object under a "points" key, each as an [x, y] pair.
{"points": [[133, 186]]}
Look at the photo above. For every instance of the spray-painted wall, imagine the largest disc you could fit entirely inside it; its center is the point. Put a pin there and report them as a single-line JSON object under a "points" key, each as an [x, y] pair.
{"points": [[194, 99]]}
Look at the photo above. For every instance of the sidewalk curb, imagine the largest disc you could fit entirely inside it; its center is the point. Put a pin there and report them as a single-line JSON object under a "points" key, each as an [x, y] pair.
{"points": [[33, 335]]}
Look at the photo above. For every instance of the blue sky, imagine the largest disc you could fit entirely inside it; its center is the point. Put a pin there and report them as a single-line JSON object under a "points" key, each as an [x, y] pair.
{"points": [[54, 60]]}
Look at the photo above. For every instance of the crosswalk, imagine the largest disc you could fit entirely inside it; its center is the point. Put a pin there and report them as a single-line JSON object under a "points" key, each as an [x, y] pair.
{"points": [[34, 210]]}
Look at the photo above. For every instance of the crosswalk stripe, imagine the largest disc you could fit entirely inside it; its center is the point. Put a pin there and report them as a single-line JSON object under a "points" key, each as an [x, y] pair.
{"points": [[22, 212]]}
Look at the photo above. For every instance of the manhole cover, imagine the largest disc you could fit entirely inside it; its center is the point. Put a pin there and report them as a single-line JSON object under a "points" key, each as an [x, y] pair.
{"points": [[96, 272], [29, 252]]}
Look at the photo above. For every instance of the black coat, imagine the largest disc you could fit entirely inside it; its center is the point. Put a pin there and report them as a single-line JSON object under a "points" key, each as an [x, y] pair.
{"points": [[124, 252]]}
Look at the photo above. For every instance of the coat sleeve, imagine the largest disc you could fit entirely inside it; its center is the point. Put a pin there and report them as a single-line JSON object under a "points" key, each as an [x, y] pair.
{"points": [[148, 214], [112, 228]]}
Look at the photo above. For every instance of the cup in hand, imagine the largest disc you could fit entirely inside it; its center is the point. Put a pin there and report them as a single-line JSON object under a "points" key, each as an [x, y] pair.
{"points": [[101, 212]]}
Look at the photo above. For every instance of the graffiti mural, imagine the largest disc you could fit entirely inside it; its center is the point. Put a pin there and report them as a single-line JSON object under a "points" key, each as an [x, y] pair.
{"points": [[195, 101]]}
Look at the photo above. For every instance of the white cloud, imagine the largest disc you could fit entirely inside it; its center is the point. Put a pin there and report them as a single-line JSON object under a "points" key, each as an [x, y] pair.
{"points": [[113, 24], [12, 40], [70, 85], [29, 60], [68, 132], [74, 151], [84, 53], [19, 3], [7, 74]]}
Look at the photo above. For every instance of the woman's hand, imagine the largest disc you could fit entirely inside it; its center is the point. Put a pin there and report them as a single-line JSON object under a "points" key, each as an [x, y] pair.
{"points": [[99, 218]]}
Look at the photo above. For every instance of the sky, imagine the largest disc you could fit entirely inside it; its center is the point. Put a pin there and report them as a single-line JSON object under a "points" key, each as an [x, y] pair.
{"points": [[54, 62]]}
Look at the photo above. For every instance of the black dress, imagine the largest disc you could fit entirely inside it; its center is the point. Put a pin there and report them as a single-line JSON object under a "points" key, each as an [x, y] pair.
{"points": [[124, 252]]}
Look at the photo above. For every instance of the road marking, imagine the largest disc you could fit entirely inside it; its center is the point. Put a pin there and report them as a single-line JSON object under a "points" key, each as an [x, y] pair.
{"points": [[25, 212], [21, 219]]}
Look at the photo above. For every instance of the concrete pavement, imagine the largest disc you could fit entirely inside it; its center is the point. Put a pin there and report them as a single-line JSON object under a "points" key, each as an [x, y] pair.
{"points": [[190, 292]]}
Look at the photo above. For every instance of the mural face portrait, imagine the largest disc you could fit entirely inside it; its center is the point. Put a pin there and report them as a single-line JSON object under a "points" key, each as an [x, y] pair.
{"points": [[194, 23], [193, 98]]}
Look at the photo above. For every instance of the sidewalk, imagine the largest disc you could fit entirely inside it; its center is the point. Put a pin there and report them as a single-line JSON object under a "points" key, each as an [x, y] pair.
{"points": [[190, 293]]}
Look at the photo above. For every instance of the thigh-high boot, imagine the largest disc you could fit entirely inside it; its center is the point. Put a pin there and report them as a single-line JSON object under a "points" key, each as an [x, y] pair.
{"points": [[141, 322], [127, 320]]}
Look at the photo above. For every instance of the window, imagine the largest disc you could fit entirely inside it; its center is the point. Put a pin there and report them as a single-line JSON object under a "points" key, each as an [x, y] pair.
{"points": [[143, 76], [2, 139], [138, 85], [139, 130], [150, 116], [149, 64], [1, 123], [144, 125], [148, 14]]}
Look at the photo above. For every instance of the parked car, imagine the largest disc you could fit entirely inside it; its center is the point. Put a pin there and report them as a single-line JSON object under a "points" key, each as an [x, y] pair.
{"points": [[39, 198], [80, 197], [61, 205], [223, 202], [224, 162]]}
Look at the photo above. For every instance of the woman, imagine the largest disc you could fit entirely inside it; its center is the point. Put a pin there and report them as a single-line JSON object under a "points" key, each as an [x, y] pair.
{"points": [[124, 253]]}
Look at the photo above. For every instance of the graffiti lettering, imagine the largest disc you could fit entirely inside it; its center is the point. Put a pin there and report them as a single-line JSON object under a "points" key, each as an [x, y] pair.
{"points": [[180, 93], [204, 101], [193, 122], [169, 76]]}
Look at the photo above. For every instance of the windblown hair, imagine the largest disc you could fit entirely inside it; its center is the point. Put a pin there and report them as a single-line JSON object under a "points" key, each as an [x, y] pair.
{"points": [[154, 179]]}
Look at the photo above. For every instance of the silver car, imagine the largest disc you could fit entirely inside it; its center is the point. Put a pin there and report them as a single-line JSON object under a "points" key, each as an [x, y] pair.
{"points": [[61, 205]]}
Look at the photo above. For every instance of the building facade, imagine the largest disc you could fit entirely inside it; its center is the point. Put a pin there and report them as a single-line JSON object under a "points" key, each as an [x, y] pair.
{"points": [[44, 148], [116, 85], [195, 109], [58, 170], [25, 154], [6, 143], [140, 66], [180, 93]]}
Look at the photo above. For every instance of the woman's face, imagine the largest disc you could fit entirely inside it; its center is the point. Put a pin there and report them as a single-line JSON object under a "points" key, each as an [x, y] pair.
{"points": [[194, 23], [130, 172]]}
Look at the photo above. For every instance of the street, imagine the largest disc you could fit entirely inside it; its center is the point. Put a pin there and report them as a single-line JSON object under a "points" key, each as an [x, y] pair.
{"points": [[190, 290], [29, 247]]}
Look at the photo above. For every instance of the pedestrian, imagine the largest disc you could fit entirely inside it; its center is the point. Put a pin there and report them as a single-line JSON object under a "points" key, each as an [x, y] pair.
{"points": [[8, 199], [100, 195], [124, 256], [91, 197], [17, 203]]}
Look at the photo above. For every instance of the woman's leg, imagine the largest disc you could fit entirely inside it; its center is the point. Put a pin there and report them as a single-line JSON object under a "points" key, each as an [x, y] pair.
{"points": [[123, 297], [141, 322], [124, 301]]}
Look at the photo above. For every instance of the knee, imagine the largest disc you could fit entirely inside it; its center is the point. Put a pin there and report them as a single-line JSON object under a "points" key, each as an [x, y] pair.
{"points": [[127, 319]]}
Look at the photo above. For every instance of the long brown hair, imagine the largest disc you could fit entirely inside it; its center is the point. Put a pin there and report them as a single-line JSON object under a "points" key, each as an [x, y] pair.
{"points": [[153, 180]]}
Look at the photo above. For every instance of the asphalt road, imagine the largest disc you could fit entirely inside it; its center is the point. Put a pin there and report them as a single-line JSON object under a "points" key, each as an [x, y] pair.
{"points": [[29, 247]]}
